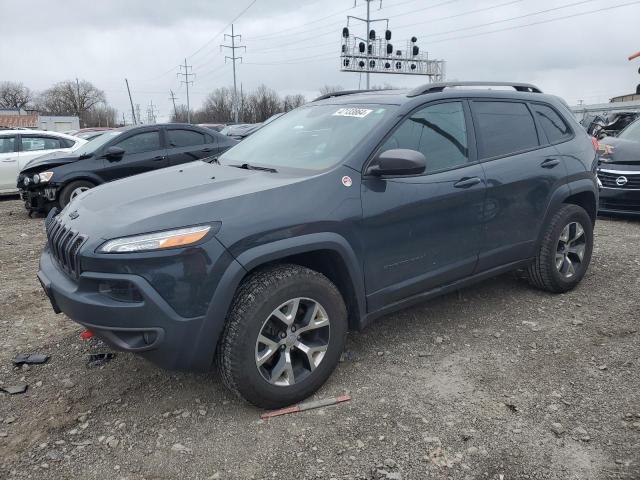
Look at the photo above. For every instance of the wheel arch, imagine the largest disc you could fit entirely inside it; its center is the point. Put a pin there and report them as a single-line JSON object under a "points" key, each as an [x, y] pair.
{"points": [[326, 253]]}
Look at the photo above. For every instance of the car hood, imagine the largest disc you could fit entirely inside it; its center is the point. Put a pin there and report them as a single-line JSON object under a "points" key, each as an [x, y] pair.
{"points": [[624, 151], [49, 160], [189, 194]]}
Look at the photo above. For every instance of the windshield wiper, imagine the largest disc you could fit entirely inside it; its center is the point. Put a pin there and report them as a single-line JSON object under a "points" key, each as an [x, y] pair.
{"points": [[246, 166]]}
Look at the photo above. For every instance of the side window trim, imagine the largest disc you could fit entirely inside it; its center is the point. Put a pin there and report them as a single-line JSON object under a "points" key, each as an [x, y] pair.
{"points": [[541, 129], [471, 145], [16, 142], [540, 145]]}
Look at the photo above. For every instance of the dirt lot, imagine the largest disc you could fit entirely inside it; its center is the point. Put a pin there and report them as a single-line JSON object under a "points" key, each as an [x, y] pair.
{"points": [[497, 381]]}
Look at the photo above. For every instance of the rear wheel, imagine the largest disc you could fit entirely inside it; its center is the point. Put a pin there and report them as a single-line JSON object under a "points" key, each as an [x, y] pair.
{"points": [[565, 251], [72, 190], [284, 335]]}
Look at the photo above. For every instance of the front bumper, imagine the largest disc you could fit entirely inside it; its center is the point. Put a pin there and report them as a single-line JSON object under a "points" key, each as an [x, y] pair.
{"points": [[149, 327], [39, 199], [619, 201]]}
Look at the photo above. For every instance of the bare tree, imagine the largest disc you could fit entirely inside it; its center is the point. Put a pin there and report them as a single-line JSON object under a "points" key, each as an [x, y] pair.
{"points": [[289, 102], [71, 98], [264, 102], [326, 89], [14, 95], [101, 116], [217, 107], [181, 115]]}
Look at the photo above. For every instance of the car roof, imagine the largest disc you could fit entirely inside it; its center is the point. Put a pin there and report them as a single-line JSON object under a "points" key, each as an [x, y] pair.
{"points": [[436, 91], [40, 132]]}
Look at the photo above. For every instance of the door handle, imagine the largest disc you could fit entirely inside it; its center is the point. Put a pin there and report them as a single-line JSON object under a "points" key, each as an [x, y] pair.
{"points": [[9, 160], [467, 182], [158, 158], [550, 163], [207, 150]]}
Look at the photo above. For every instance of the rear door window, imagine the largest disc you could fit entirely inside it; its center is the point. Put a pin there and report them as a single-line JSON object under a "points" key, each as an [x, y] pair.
{"points": [[7, 144], [32, 143], [503, 128], [553, 125], [178, 138]]}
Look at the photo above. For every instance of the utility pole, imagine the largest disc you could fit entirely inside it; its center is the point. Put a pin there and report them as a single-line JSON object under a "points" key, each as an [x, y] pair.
{"points": [[175, 110], [138, 116], [78, 102], [368, 38], [233, 58], [188, 69], [151, 112], [133, 113], [124, 121]]}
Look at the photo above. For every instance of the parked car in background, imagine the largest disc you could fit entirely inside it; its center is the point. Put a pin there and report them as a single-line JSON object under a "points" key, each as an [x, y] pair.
{"points": [[56, 179], [212, 126], [240, 131], [19, 147], [345, 209], [91, 133], [619, 172]]}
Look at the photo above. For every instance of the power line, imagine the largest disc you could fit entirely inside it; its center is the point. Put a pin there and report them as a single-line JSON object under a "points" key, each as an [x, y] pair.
{"points": [[495, 22], [188, 69], [541, 22], [223, 29]]}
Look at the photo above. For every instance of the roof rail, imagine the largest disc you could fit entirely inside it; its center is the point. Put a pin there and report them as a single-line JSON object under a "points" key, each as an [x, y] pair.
{"points": [[340, 94], [439, 87]]}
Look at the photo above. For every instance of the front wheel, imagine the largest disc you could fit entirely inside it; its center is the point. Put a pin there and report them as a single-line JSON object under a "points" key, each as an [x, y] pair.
{"points": [[565, 251], [284, 335], [72, 190]]}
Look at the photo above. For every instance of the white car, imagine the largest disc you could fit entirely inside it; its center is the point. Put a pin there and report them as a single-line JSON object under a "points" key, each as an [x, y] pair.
{"points": [[19, 147]]}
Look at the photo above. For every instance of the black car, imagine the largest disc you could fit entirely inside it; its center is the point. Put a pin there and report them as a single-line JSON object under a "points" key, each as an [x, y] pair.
{"points": [[619, 172], [57, 178], [341, 211]]}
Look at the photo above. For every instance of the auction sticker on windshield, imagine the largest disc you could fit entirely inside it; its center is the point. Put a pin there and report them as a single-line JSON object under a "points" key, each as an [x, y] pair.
{"points": [[353, 112]]}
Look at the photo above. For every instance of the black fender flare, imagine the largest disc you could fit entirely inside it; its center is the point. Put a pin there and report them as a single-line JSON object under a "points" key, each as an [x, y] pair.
{"points": [[239, 268]]}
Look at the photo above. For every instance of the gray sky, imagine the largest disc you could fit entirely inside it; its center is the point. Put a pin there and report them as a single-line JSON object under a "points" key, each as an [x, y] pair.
{"points": [[582, 56]]}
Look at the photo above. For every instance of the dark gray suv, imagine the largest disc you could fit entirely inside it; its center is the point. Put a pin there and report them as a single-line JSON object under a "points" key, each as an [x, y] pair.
{"points": [[355, 205]]}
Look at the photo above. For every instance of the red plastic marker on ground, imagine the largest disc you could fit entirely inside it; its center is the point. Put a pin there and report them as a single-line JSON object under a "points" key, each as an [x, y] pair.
{"points": [[306, 406], [86, 335]]}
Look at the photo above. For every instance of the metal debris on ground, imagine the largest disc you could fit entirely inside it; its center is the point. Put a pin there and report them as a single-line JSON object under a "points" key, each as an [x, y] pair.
{"points": [[30, 359], [306, 406], [15, 389], [99, 359]]}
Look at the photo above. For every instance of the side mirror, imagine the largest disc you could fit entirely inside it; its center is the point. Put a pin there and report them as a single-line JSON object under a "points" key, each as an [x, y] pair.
{"points": [[114, 153], [398, 161]]}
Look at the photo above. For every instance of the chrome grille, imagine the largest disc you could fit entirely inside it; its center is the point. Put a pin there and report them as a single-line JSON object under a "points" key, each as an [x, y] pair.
{"points": [[609, 178], [64, 244]]}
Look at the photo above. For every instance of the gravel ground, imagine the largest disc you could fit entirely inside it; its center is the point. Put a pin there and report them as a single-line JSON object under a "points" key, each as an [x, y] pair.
{"points": [[496, 381]]}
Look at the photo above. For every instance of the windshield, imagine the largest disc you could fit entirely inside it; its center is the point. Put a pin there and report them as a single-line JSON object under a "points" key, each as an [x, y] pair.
{"points": [[91, 146], [632, 132], [313, 137]]}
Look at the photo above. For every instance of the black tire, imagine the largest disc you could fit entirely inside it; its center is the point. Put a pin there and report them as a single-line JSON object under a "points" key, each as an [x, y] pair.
{"points": [[543, 272], [67, 191], [257, 297]]}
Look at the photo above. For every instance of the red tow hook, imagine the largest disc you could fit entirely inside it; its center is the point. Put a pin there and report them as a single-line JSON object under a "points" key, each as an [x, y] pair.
{"points": [[86, 335]]}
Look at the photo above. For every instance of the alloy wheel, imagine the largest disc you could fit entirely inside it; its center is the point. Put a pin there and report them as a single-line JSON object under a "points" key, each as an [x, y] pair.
{"points": [[77, 191], [570, 249], [292, 342]]}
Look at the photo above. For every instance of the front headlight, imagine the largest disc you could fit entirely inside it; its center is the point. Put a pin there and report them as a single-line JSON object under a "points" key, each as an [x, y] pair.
{"points": [[44, 176], [156, 241]]}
